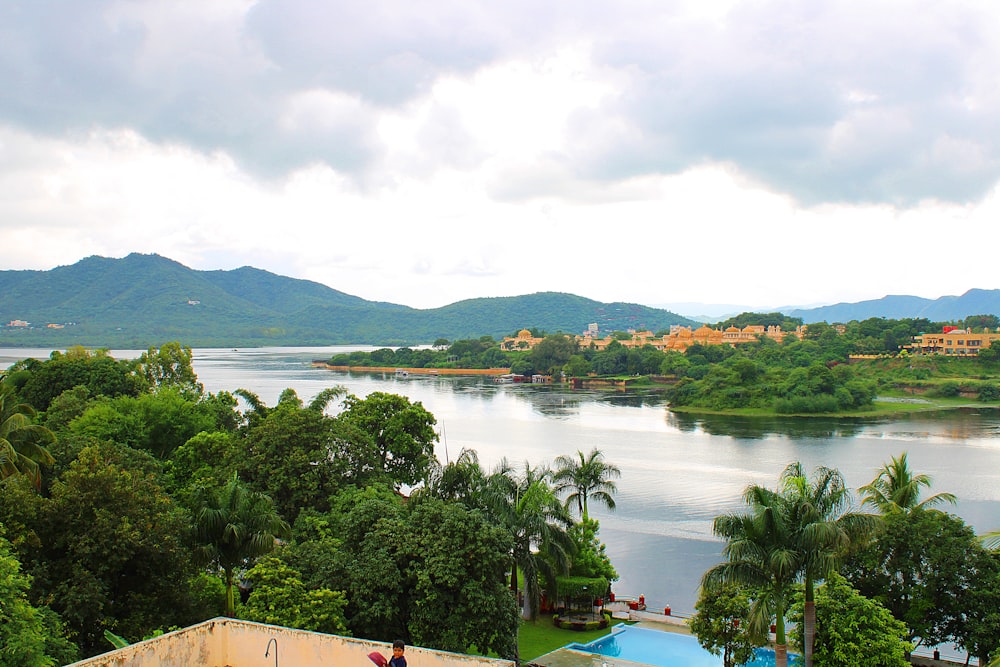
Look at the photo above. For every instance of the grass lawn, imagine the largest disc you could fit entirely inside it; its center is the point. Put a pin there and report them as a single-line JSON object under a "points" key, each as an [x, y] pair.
{"points": [[539, 637]]}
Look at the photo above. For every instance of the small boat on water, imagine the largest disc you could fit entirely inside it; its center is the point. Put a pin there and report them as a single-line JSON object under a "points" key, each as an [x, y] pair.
{"points": [[510, 378], [402, 373]]}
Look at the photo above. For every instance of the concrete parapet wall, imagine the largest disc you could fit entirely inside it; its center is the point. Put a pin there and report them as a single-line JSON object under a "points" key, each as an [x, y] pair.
{"points": [[223, 642]]}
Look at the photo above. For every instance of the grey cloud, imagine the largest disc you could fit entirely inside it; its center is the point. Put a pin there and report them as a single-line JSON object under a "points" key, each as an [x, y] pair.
{"points": [[776, 87], [834, 101]]}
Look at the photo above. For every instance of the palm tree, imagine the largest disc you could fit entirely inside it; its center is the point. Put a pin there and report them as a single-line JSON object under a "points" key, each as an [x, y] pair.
{"points": [[234, 527], [460, 481], [824, 528], [525, 504], [991, 540], [22, 443], [897, 489], [761, 553], [586, 477]]}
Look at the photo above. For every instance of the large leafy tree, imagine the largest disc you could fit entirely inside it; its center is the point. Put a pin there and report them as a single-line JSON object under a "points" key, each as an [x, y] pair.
{"points": [[157, 422], [852, 629], [280, 597], [824, 528], [27, 633], [290, 452], [586, 477], [761, 553], [720, 623], [897, 488], [98, 371], [170, 365], [456, 563], [111, 549], [924, 567], [234, 527], [400, 434]]}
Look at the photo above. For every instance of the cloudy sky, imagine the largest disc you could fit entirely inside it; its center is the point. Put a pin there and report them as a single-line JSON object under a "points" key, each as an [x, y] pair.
{"points": [[762, 153]]}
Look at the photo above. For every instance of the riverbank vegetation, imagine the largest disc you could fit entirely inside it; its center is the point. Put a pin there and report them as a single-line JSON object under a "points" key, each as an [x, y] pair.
{"points": [[832, 370], [132, 502]]}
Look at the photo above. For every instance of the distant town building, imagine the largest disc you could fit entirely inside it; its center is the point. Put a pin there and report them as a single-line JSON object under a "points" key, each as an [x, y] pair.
{"points": [[681, 338], [952, 342], [522, 341], [18, 323]]}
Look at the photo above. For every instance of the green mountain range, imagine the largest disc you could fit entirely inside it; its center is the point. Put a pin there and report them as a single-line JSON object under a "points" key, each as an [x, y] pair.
{"points": [[143, 300]]}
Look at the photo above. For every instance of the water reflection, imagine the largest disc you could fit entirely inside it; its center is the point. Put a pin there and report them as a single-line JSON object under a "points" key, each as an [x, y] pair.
{"points": [[756, 428]]}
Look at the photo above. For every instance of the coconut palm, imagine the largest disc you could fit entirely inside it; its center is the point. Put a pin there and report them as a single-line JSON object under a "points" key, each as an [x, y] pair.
{"points": [[234, 527], [461, 481], [897, 489], [586, 477], [824, 527], [991, 540], [22, 443], [525, 504], [761, 553]]}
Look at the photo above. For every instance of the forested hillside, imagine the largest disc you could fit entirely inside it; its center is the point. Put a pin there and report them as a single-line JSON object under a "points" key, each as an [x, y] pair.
{"points": [[144, 300]]}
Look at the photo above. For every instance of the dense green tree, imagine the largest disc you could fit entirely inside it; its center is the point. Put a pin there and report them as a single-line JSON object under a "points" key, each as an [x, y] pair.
{"points": [[590, 558], [897, 488], [279, 597], [721, 624], [400, 433], [234, 527], [159, 422], [111, 550], [98, 371], [24, 632], [852, 629], [760, 553], [979, 634], [552, 353], [456, 561], [292, 455], [586, 477], [207, 460], [170, 365], [922, 567]]}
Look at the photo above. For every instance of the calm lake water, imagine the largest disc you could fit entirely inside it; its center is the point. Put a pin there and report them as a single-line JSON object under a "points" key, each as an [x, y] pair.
{"points": [[677, 473]]}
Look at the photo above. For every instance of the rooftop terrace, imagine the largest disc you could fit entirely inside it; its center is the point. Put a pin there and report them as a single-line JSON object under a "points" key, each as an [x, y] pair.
{"points": [[227, 642]]}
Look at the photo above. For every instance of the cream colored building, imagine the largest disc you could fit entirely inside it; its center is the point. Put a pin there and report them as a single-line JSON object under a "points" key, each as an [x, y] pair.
{"points": [[957, 342], [681, 338], [228, 642]]}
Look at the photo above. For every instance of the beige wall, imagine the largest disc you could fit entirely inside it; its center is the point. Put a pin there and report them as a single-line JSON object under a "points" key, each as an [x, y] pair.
{"points": [[225, 642]]}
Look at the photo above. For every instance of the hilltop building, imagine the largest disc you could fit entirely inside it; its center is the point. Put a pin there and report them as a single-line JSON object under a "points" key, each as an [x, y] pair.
{"points": [[680, 338], [953, 342]]}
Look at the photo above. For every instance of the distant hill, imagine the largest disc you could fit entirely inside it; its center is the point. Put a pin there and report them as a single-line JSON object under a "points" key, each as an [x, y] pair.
{"points": [[143, 300], [943, 309]]}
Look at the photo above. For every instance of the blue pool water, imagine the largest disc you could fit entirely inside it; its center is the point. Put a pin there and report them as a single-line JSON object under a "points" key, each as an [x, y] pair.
{"points": [[664, 649]]}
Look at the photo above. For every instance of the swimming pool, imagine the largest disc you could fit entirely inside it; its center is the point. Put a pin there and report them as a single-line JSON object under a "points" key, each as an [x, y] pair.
{"points": [[664, 649]]}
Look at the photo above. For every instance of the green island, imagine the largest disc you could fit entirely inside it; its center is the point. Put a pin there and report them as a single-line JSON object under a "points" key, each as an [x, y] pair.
{"points": [[858, 369]]}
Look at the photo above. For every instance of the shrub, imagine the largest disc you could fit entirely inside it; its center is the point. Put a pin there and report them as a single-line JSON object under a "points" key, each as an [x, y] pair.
{"points": [[989, 392]]}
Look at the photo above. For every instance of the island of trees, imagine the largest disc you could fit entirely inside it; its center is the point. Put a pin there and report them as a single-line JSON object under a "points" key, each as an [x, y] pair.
{"points": [[832, 369]]}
